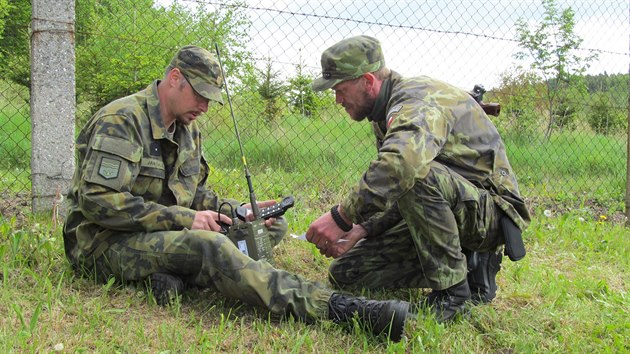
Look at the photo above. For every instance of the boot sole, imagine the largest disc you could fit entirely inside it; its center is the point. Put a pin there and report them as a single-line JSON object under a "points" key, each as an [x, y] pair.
{"points": [[393, 320]]}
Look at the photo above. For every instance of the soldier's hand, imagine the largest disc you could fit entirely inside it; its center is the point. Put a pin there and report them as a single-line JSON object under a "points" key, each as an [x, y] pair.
{"points": [[324, 232], [345, 243], [270, 222], [207, 220], [263, 204]]}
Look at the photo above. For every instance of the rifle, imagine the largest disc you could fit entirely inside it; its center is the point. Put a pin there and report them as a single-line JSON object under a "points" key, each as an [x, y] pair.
{"points": [[492, 109]]}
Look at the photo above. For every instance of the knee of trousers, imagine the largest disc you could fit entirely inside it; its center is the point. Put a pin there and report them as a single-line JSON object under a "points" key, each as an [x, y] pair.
{"points": [[335, 275], [343, 275], [278, 230]]}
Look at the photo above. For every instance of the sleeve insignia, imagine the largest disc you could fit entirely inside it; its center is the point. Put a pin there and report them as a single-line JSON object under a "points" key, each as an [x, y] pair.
{"points": [[109, 168], [392, 113]]}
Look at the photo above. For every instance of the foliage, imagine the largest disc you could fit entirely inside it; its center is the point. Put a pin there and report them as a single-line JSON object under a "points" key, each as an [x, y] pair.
{"points": [[604, 109], [15, 42], [518, 96], [604, 118], [302, 98], [249, 107], [115, 58], [272, 90], [615, 87], [552, 46], [564, 115], [4, 11]]}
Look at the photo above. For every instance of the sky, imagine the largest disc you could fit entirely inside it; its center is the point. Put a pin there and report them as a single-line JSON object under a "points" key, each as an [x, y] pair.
{"points": [[464, 42]]}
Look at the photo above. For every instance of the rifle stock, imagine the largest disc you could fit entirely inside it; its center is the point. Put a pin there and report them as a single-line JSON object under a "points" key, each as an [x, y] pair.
{"points": [[493, 109]]}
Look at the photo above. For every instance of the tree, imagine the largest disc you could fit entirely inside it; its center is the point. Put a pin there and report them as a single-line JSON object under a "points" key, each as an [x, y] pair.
{"points": [[552, 47], [123, 45], [301, 96], [272, 90]]}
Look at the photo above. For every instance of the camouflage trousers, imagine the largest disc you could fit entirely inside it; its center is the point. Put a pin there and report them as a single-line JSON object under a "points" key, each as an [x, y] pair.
{"points": [[441, 214], [210, 260]]}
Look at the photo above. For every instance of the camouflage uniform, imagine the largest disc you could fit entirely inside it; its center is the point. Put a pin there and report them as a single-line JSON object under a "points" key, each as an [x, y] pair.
{"points": [[132, 204], [440, 183]]}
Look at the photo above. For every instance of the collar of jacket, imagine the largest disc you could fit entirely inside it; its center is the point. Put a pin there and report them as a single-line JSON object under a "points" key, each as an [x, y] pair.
{"points": [[380, 106], [153, 109]]}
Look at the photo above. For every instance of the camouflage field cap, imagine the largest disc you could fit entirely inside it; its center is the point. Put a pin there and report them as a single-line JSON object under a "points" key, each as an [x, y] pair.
{"points": [[349, 59], [201, 69]]}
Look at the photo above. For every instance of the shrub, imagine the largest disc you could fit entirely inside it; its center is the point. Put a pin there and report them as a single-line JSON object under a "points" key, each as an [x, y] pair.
{"points": [[604, 118]]}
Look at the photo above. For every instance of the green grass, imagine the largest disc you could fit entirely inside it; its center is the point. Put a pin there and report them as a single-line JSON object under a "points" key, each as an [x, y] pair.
{"points": [[571, 163], [15, 149], [568, 295], [329, 155], [319, 161], [15, 138]]}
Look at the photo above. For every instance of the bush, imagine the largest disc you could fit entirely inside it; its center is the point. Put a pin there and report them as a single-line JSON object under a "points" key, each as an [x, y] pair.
{"points": [[606, 119], [564, 116]]}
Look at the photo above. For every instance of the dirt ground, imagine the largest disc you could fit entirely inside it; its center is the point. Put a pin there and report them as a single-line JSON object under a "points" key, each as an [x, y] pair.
{"points": [[17, 205]]}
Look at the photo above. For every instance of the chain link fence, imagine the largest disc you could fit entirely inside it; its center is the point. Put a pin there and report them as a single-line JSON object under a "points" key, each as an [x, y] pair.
{"points": [[559, 69]]}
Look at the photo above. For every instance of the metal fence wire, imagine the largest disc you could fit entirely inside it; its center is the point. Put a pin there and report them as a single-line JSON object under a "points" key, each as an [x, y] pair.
{"points": [[558, 68]]}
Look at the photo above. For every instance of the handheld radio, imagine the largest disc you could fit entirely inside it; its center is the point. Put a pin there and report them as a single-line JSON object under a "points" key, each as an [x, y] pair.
{"points": [[251, 237]]}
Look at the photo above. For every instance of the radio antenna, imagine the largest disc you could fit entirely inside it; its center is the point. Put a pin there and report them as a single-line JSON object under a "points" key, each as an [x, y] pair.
{"points": [[252, 195]]}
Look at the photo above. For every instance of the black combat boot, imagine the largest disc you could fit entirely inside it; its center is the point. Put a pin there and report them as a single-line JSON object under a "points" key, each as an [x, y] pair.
{"points": [[482, 273], [378, 316], [166, 287], [448, 303]]}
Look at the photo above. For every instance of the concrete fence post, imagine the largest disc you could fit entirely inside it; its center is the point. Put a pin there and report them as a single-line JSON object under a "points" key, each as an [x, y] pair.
{"points": [[52, 102]]}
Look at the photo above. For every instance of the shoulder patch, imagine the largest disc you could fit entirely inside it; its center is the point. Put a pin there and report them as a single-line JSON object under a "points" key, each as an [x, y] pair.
{"points": [[395, 109], [109, 168], [392, 113]]}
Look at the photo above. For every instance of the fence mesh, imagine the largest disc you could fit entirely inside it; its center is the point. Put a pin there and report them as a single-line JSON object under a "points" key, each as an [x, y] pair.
{"points": [[564, 98]]}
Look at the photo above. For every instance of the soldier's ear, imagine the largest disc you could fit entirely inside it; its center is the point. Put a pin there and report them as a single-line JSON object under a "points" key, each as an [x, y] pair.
{"points": [[174, 77], [370, 81]]}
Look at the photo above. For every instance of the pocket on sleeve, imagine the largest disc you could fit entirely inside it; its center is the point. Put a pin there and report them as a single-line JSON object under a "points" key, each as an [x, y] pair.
{"points": [[113, 163]]}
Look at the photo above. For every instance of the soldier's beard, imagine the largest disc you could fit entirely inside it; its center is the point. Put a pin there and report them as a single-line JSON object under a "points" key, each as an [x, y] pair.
{"points": [[363, 107], [188, 117]]}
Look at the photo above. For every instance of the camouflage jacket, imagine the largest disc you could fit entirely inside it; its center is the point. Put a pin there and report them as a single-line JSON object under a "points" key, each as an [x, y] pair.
{"points": [[131, 177], [419, 120]]}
